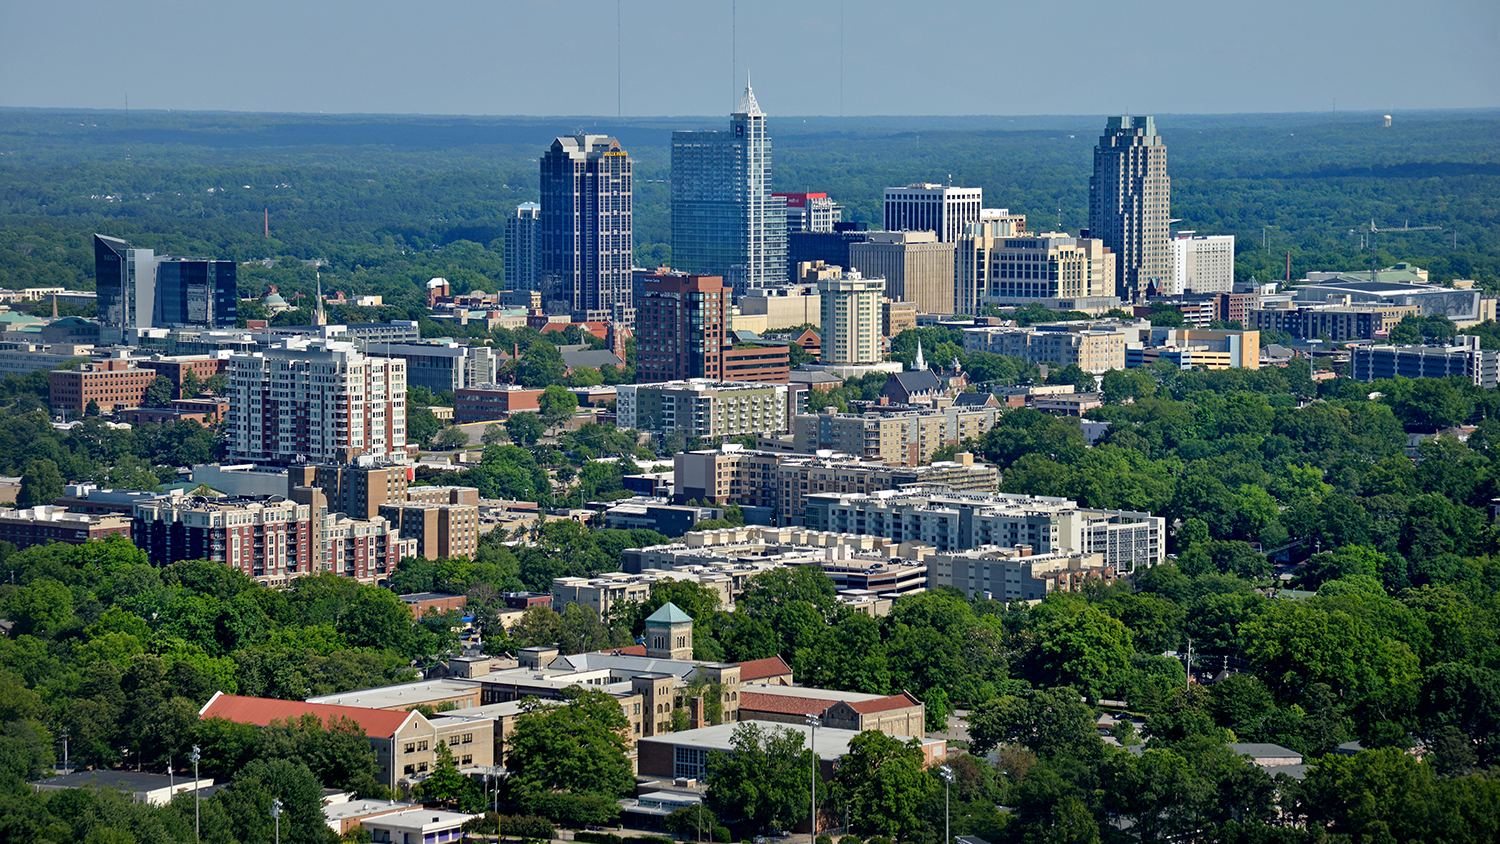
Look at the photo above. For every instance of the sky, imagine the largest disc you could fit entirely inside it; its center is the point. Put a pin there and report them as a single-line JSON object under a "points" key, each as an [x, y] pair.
{"points": [[803, 57]]}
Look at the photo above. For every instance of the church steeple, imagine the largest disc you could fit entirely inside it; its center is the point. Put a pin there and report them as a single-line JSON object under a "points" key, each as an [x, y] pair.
{"points": [[920, 363], [320, 317]]}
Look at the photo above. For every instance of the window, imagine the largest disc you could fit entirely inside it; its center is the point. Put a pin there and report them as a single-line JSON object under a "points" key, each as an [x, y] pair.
{"points": [[421, 745], [410, 747]]}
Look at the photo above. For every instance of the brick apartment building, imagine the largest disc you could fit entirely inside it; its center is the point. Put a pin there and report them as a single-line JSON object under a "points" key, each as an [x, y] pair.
{"points": [[113, 383]]}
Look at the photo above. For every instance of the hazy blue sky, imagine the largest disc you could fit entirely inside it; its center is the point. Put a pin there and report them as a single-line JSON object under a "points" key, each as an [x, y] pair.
{"points": [[936, 57]]}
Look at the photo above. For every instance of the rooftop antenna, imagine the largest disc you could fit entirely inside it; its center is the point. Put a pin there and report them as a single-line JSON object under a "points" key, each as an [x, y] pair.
{"points": [[734, 59], [841, 58], [619, 63]]}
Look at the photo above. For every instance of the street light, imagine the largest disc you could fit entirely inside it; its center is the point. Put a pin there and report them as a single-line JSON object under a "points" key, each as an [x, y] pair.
{"points": [[194, 757], [812, 825], [947, 774], [276, 815]]}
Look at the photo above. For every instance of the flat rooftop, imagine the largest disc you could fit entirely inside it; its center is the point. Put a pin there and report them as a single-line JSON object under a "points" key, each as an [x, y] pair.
{"points": [[403, 695], [831, 743]]}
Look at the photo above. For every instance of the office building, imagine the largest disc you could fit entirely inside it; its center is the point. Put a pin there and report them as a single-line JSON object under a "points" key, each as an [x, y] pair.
{"points": [[810, 212], [831, 248], [897, 317], [683, 332], [125, 279], [1464, 306], [196, 291], [584, 231], [443, 365], [1335, 323], [1196, 348], [1464, 359], [1094, 346], [943, 209], [136, 289], [47, 523], [702, 408], [994, 267], [765, 309], [111, 384], [851, 319], [1130, 198], [359, 489], [315, 401], [916, 265], [725, 220], [1201, 264], [960, 521], [522, 246]]}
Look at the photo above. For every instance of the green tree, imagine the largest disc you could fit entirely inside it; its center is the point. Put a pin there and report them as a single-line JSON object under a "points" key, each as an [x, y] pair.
{"points": [[1052, 723], [192, 385], [540, 366], [555, 404], [763, 782], [525, 428], [451, 436], [884, 785], [494, 435], [41, 483], [577, 748], [1078, 645], [445, 784], [159, 393]]}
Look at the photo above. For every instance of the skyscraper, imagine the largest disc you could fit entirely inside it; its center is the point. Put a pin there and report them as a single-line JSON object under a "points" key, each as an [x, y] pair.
{"points": [[851, 306], [196, 291], [725, 220], [584, 232], [680, 325], [1130, 198], [521, 248], [943, 209]]}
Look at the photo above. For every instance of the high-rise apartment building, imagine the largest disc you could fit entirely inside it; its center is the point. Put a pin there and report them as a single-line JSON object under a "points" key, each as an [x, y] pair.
{"points": [[725, 220], [851, 306], [810, 212], [522, 263], [916, 266], [1201, 264], [584, 233], [1130, 198], [315, 401], [138, 289], [702, 408], [942, 209], [1009, 269]]}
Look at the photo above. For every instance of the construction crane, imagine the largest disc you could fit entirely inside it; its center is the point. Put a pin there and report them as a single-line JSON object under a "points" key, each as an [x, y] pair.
{"points": [[1374, 231]]}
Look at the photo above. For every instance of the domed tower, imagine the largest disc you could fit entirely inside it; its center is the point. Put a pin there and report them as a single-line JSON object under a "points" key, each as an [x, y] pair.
{"points": [[669, 633]]}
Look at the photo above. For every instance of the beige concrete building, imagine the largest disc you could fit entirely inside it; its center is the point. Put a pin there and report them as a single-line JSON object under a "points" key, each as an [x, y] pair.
{"points": [[1015, 574], [905, 437], [440, 530], [916, 266], [1092, 346], [897, 317], [702, 408], [1010, 270], [851, 319]]}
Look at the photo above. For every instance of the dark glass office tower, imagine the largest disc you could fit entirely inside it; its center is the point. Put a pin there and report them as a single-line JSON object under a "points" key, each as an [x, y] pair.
{"points": [[585, 240], [196, 291], [1130, 205]]}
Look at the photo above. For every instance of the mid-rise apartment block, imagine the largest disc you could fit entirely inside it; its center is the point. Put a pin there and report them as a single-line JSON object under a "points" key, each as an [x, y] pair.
{"points": [[783, 482], [1338, 324], [916, 265], [47, 523], [585, 235], [315, 401], [1201, 264], [900, 437], [1464, 359], [960, 521], [111, 384], [443, 365], [270, 539], [944, 210], [359, 489], [1130, 199], [1016, 574], [1093, 347], [440, 530], [702, 408], [851, 309]]}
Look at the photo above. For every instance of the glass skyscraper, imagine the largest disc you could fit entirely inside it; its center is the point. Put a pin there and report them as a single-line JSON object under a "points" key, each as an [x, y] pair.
{"points": [[725, 221], [138, 289], [196, 291], [1130, 205], [585, 239]]}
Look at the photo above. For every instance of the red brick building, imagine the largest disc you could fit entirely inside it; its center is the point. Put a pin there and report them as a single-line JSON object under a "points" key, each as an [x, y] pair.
{"points": [[176, 367], [486, 404], [45, 524], [111, 383]]}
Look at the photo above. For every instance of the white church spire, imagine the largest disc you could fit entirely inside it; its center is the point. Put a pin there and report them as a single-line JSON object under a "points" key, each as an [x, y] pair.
{"points": [[920, 362]]}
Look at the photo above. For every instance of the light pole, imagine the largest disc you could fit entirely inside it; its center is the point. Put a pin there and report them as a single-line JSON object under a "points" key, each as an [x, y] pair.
{"points": [[65, 735], [194, 757], [276, 815], [947, 774], [812, 820]]}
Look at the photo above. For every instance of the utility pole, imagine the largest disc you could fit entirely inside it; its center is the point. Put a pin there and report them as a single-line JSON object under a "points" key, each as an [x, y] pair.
{"points": [[812, 721], [1189, 679], [196, 755]]}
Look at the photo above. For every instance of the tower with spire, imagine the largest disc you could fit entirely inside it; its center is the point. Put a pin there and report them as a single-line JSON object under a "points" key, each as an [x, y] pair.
{"points": [[725, 221], [920, 364], [320, 317]]}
